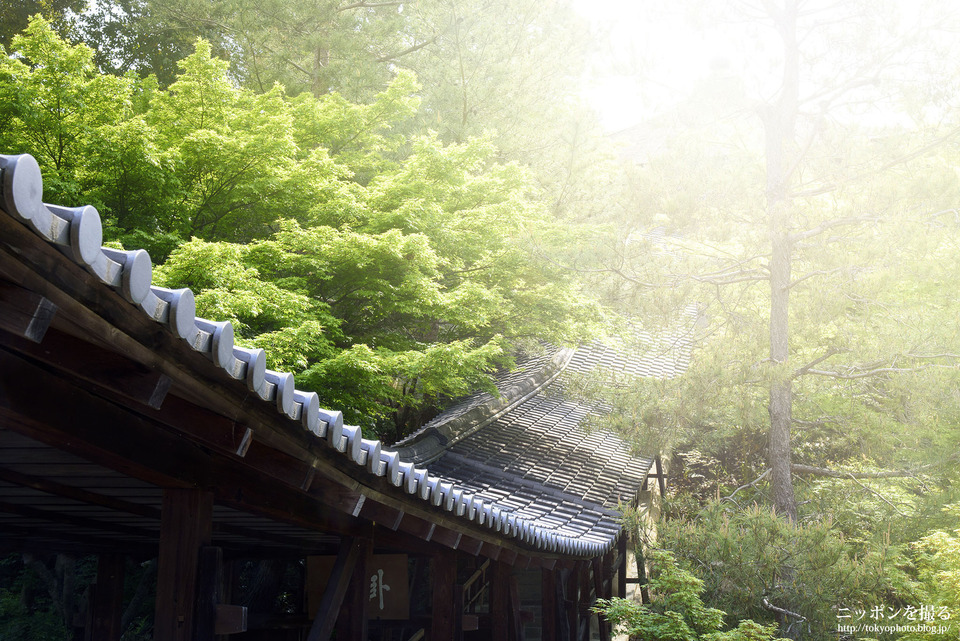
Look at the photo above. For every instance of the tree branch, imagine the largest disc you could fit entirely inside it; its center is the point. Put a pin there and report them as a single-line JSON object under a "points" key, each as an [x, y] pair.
{"points": [[408, 50], [890, 165], [833, 351], [810, 470], [812, 274], [361, 5], [852, 374], [769, 606], [743, 487], [838, 222], [730, 281]]}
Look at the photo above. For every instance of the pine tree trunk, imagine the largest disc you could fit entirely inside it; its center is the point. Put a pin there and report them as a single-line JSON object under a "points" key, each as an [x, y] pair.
{"points": [[780, 129], [781, 389]]}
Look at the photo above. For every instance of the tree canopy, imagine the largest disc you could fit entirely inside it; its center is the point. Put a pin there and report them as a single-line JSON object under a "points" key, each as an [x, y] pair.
{"points": [[387, 272], [394, 198]]}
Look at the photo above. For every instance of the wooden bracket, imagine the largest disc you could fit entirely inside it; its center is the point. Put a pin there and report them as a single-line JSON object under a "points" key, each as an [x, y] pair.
{"points": [[24, 313], [230, 619]]}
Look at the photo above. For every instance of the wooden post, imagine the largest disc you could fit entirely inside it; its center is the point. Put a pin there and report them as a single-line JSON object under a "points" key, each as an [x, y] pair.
{"points": [[443, 567], [332, 600], [570, 582], [214, 617], [499, 600], [352, 622], [548, 605], [583, 574], [185, 527], [602, 582], [107, 606], [516, 622], [622, 566]]}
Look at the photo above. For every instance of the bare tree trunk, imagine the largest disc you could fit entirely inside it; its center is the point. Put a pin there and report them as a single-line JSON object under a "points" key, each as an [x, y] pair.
{"points": [[780, 128]]}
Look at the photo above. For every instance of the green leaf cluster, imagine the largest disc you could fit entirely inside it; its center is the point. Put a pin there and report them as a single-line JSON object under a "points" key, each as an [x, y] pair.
{"points": [[750, 558], [677, 612], [388, 271]]}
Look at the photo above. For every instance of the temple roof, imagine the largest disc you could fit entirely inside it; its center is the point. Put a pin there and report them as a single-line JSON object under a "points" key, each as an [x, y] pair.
{"points": [[522, 465]]}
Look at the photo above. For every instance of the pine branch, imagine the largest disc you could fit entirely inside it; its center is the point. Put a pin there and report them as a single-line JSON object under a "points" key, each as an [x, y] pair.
{"points": [[821, 272], [810, 470], [831, 224], [833, 351], [769, 606], [819, 191], [409, 50], [371, 5], [852, 374], [743, 487]]}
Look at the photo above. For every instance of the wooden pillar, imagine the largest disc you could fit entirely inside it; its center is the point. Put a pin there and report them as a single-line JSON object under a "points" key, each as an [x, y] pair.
{"points": [[499, 600], [443, 568], [324, 620], [186, 526], [107, 603], [622, 566], [571, 599], [548, 605], [583, 606], [354, 614], [603, 582]]}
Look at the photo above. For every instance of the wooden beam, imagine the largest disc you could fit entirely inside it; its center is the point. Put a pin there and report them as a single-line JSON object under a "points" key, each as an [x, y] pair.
{"points": [[447, 537], [335, 495], [96, 525], [381, 514], [661, 477], [146, 511], [78, 494], [330, 603], [24, 313], [508, 556], [417, 527], [490, 550], [443, 567], [470, 545], [213, 617], [107, 599], [97, 366], [131, 444], [186, 527]]}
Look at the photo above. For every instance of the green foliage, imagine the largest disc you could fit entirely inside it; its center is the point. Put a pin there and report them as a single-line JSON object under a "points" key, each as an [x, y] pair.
{"points": [[131, 36], [747, 555], [15, 15], [677, 612], [937, 566], [57, 107], [387, 272]]}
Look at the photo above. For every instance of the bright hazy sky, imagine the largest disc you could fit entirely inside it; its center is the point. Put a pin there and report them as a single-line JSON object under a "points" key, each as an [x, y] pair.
{"points": [[665, 57]]}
